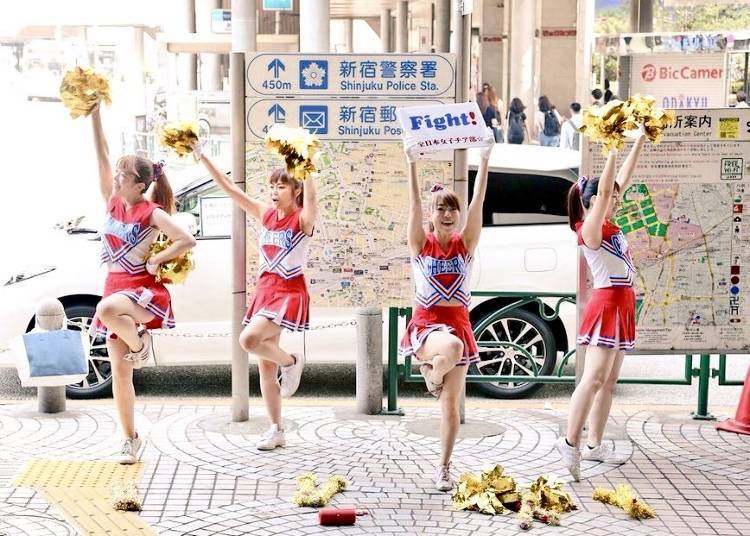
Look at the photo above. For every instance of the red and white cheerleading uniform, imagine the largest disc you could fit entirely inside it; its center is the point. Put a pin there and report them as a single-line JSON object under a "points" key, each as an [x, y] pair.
{"points": [[440, 277], [281, 293], [609, 317], [126, 237]]}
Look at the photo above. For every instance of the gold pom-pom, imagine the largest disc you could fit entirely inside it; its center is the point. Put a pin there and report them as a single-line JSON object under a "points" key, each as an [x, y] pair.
{"points": [[82, 89], [125, 497], [622, 497], [179, 137], [544, 501], [489, 492], [175, 270], [612, 123], [308, 493], [297, 146]]}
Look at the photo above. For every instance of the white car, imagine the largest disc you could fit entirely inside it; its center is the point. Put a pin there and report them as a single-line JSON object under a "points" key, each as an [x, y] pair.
{"points": [[526, 245]]}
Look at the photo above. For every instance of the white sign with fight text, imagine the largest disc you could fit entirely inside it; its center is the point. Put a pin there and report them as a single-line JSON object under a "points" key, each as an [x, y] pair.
{"points": [[440, 127]]}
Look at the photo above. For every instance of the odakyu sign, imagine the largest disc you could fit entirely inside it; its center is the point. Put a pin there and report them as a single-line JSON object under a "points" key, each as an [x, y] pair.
{"points": [[441, 127], [681, 80]]}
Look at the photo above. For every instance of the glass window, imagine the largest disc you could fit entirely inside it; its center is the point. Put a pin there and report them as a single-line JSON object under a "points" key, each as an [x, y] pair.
{"points": [[212, 210], [523, 199]]}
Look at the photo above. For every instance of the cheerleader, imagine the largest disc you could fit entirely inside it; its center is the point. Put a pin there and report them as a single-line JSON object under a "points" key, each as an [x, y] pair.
{"points": [[281, 299], [608, 323], [439, 334], [133, 301]]}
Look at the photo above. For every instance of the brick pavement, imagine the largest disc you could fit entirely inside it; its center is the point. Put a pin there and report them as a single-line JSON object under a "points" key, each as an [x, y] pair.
{"points": [[202, 475]]}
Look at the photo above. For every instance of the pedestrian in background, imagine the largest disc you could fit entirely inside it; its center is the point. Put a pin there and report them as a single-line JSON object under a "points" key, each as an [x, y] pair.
{"points": [[570, 138], [515, 124], [547, 123], [596, 98]]}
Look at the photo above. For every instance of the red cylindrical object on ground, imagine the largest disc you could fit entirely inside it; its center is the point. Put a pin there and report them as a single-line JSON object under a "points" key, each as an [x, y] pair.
{"points": [[337, 516]]}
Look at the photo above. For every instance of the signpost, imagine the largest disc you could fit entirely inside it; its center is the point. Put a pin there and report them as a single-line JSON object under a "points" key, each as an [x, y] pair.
{"points": [[340, 75], [333, 119]]}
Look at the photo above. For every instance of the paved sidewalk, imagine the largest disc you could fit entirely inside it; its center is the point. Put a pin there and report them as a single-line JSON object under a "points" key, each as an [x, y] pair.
{"points": [[202, 476]]}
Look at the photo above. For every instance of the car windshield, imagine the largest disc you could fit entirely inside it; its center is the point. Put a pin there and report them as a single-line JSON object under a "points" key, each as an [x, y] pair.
{"points": [[523, 199]]}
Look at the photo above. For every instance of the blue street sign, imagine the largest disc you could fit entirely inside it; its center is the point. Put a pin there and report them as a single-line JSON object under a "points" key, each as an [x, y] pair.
{"points": [[276, 65], [278, 113], [314, 118], [342, 75]]}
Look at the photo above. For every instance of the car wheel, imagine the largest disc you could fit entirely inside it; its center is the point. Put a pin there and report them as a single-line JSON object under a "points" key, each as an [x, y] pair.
{"points": [[98, 383], [502, 342]]}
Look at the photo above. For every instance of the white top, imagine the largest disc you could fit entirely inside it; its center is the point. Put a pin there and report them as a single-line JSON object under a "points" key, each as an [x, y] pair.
{"points": [[569, 132], [283, 245], [611, 264]]}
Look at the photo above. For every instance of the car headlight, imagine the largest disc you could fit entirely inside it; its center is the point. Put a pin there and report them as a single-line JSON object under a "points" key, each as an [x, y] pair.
{"points": [[28, 273]]}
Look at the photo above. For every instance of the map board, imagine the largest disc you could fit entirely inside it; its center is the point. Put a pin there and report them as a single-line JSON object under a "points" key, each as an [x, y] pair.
{"points": [[358, 254], [687, 219]]}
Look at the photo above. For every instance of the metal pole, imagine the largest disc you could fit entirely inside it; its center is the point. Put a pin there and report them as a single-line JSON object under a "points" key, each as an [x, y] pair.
{"points": [[393, 362], [461, 46], [370, 360], [704, 375], [244, 28]]}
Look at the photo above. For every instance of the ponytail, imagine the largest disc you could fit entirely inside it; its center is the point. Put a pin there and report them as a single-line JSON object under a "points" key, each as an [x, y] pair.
{"points": [[151, 175], [575, 207], [162, 195]]}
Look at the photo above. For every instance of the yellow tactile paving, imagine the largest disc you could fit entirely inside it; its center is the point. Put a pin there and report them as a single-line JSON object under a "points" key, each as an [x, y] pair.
{"points": [[42, 474], [81, 492], [90, 510]]}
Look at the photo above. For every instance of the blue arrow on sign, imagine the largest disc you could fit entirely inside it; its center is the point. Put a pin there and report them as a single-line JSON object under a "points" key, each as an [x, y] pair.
{"points": [[278, 113], [276, 65]]}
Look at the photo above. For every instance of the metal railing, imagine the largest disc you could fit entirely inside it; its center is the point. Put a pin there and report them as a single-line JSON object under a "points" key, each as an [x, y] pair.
{"points": [[704, 372]]}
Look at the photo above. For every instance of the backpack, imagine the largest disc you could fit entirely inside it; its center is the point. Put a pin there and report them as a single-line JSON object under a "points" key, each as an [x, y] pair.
{"points": [[551, 124], [515, 128]]}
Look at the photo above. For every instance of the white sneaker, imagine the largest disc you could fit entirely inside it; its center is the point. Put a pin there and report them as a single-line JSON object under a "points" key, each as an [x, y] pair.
{"points": [[443, 479], [290, 376], [130, 451], [571, 457], [271, 439], [603, 453], [142, 356]]}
